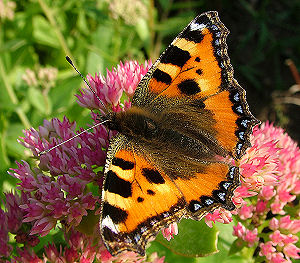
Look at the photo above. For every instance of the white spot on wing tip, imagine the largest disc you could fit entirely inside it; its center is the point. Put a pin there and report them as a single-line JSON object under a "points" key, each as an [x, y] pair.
{"points": [[110, 224], [194, 26]]}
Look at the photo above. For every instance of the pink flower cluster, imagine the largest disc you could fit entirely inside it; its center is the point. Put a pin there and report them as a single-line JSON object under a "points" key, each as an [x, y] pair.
{"points": [[110, 89], [270, 169], [59, 185]]}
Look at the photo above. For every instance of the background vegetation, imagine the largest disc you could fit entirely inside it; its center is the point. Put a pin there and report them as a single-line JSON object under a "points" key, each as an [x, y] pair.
{"points": [[36, 82]]}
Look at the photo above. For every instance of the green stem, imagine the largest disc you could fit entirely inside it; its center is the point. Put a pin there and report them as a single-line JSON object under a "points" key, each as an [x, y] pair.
{"points": [[13, 97], [49, 14]]}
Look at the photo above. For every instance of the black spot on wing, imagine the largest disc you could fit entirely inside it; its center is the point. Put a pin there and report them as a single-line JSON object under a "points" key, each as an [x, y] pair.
{"points": [[220, 196], [199, 71], [116, 185], [192, 35], [125, 165], [194, 206], [202, 19], [176, 56], [161, 76], [150, 192], [153, 176], [189, 87], [116, 214], [197, 59], [108, 234], [207, 200], [225, 185], [140, 199]]}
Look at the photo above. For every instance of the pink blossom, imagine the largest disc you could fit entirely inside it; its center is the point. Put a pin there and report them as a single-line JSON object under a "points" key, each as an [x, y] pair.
{"points": [[290, 238], [267, 192], [34, 210], [58, 209], [220, 215], [277, 258], [239, 230], [14, 213], [43, 226], [292, 251], [285, 222], [294, 227], [266, 249], [27, 256], [274, 223], [51, 252], [246, 212], [75, 214], [296, 189], [109, 89], [59, 187], [251, 237], [277, 207], [169, 231], [277, 238], [261, 207], [271, 168], [240, 194]]}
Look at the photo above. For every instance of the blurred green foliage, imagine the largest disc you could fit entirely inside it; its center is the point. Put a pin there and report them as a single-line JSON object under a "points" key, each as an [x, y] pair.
{"points": [[38, 34]]}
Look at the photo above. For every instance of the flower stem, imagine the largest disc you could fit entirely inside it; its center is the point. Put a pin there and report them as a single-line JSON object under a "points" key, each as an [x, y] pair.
{"points": [[49, 14], [13, 97]]}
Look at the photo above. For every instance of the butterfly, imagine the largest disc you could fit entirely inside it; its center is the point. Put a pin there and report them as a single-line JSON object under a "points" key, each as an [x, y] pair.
{"points": [[166, 161]]}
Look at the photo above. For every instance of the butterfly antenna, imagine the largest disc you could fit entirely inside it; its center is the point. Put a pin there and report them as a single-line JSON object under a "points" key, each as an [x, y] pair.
{"points": [[48, 150], [88, 85]]}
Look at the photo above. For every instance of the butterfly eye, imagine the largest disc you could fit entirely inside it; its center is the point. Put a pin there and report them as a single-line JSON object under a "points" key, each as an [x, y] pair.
{"points": [[150, 127]]}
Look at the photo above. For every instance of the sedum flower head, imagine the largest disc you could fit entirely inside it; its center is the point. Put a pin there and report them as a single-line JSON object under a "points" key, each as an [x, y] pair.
{"points": [[271, 214], [130, 11], [122, 79], [7, 10]]}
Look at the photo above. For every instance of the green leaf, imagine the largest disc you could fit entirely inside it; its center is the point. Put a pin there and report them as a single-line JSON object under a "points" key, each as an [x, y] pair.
{"points": [[142, 30], [168, 254], [225, 240], [14, 131], [44, 33], [195, 239]]}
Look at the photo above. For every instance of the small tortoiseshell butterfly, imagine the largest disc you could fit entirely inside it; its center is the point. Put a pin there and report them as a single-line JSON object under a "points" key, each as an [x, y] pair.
{"points": [[164, 164]]}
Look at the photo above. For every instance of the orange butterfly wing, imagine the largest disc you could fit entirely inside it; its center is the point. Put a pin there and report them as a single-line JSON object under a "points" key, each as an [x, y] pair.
{"points": [[139, 199], [196, 68]]}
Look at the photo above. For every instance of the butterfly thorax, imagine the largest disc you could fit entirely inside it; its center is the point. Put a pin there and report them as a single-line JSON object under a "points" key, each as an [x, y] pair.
{"points": [[134, 122]]}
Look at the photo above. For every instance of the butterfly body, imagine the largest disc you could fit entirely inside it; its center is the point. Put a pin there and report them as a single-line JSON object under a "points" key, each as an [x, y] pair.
{"points": [[166, 162]]}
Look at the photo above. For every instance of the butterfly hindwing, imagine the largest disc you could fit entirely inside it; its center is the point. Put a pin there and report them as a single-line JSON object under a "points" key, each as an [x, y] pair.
{"points": [[133, 210]]}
